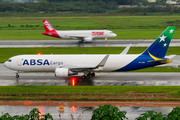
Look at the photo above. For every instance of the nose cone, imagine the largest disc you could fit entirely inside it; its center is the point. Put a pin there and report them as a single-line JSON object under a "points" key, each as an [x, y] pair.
{"points": [[114, 35], [5, 63]]}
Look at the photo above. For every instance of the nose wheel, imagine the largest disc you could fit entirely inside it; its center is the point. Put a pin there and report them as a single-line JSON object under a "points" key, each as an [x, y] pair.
{"points": [[17, 75]]}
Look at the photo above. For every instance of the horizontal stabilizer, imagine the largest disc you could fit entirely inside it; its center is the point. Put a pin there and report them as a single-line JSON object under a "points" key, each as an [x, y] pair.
{"points": [[161, 61], [170, 56]]}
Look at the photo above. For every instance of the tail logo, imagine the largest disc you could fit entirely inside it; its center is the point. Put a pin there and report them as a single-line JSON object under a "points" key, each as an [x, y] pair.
{"points": [[162, 38], [50, 28], [155, 58], [171, 31]]}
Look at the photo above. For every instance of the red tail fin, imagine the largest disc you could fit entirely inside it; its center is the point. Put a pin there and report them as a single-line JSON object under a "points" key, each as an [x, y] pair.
{"points": [[50, 31], [48, 27]]}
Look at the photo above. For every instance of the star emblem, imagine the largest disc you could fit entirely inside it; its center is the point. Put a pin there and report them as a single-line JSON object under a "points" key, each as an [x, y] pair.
{"points": [[165, 44], [171, 31], [162, 38]]}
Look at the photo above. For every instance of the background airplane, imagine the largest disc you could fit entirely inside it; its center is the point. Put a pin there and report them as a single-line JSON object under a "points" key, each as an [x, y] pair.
{"points": [[82, 35], [67, 65]]}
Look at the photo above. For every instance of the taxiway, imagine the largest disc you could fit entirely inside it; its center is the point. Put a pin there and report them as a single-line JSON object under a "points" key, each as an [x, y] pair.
{"points": [[76, 43]]}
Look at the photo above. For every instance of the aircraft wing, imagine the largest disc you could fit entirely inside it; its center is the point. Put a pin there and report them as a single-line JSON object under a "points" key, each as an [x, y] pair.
{"points": [[87, 68]]}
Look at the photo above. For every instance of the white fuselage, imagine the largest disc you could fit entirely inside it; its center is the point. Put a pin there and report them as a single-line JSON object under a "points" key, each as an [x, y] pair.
{"points": [[51, 62], [74, 34], [82, 35]]}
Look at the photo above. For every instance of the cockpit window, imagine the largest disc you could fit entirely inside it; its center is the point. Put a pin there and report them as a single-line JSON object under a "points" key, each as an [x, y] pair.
{"points": [[9, 60]]}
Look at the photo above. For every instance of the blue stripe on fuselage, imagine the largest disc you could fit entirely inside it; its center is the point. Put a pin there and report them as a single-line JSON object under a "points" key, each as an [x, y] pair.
{"points": [[139, 63]]}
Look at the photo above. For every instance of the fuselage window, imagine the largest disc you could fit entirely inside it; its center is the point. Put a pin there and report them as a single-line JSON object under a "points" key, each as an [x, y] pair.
{"points": [[9, 60]]}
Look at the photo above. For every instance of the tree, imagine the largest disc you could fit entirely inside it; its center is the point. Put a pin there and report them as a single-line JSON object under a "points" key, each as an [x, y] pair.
{"points": [[108, 112], [174, 114], [6, 116], [152, 115], [42, 1]]}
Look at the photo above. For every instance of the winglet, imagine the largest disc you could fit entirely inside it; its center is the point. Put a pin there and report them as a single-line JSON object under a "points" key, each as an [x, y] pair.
{"points": [[103, 62], [125, 50]]}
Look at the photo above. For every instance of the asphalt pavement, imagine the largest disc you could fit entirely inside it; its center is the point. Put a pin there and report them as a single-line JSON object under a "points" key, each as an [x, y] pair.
{"points": [[76, 43]]}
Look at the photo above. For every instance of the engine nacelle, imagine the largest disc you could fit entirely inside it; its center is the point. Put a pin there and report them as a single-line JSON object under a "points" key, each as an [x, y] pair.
{"points": [[88, 39], [64, 72]]}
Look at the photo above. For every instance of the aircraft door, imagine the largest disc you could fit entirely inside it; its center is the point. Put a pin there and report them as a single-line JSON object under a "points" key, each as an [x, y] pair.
{"points": [[19, 62]]}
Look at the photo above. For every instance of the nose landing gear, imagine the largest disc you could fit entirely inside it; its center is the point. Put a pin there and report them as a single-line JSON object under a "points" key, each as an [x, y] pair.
{"points": [[17, 75]]}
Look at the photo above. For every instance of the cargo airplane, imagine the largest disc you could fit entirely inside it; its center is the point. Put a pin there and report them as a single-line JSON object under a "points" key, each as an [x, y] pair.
{"points": [[82, 35], [68, 65]]}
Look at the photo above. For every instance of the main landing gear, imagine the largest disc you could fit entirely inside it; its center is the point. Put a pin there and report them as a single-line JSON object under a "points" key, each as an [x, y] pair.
{"points": [[88, 76]]}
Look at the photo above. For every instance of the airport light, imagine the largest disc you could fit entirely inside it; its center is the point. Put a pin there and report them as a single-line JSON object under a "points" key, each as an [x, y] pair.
{"points": [[39, 53], [73, 109], [73, 81]]}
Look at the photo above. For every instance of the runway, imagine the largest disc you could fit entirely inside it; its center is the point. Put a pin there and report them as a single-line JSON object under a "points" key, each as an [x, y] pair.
{"points": [[76, 43]]}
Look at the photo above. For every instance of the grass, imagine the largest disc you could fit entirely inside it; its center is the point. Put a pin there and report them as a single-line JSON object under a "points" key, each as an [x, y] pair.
{"points": [[126, 27], [89, 92], [90, 22], [87, 89]]}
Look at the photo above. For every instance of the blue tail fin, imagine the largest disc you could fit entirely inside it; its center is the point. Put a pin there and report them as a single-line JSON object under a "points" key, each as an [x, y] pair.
{"points": [[159, 47]]}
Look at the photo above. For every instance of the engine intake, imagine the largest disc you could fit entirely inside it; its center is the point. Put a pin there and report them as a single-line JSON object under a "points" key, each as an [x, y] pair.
{"points": [[64, 72], [88, 39]]}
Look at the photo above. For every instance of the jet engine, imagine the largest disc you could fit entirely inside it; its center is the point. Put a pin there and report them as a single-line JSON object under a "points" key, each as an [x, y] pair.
{"points": [[88, 39], [64, 72]]}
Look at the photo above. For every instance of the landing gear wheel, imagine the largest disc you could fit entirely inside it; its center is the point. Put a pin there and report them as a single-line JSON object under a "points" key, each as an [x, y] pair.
{"points": [[92, 74], [88, 77], [17, 76], [83, 77]]}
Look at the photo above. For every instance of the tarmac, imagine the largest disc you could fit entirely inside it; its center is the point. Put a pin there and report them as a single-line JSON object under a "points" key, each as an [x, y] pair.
{"points": [[76, 43]]}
